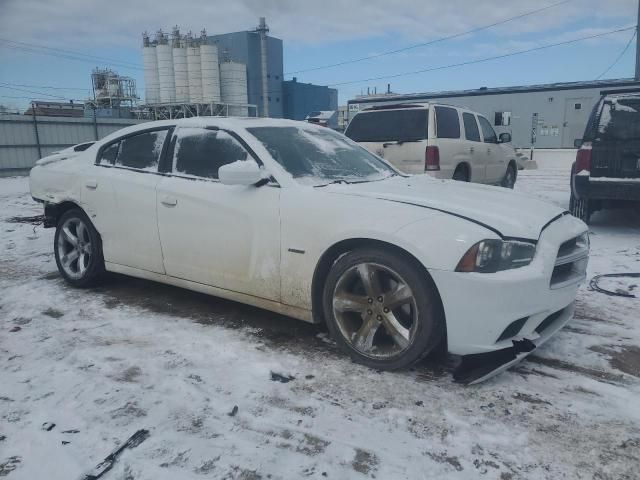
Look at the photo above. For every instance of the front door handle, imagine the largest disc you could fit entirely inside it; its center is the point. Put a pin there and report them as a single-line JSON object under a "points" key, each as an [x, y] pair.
{"points": [[169, 201], [91, 184], [471, 149]]}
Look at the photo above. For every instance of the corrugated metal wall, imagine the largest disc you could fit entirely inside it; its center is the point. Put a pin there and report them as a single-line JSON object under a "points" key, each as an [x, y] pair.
{"points": [[19, 142]]}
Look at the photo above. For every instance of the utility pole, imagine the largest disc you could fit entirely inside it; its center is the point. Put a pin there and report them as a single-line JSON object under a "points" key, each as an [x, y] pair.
{"points": [[263, 30], [638, 43]]}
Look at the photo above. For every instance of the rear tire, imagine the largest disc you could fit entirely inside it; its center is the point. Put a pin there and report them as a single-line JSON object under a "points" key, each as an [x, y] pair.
{"points": [[78, 249], [461, 174], [580, 208], [382, 310], [509, 179]]}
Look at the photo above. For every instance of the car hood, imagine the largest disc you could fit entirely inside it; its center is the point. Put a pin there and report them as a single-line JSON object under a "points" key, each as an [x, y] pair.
{"points": [[503, 211]]}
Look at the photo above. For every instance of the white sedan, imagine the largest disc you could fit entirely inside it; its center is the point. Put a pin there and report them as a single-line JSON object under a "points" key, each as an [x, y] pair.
{"points": [[300, 220]]}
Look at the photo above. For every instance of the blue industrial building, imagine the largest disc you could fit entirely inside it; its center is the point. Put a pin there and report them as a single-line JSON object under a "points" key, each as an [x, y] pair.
{"points": [[300, 99]]}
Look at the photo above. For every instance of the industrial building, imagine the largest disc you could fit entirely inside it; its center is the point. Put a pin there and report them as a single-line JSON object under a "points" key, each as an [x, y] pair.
{"points": [[238, 73], [545, 116], [302, 98]]}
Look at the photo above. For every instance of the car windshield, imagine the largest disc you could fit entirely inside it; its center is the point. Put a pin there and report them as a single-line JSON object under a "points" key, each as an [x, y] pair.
{"points": [[317, 156], [620, 119], [389, 125]]}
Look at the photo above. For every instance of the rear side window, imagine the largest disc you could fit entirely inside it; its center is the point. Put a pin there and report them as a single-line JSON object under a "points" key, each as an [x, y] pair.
{"points": [[488, 132], [142, 151], [201, 152], [447, 122], [620, 119], [389, 126], [471, 131], [109, 154]]}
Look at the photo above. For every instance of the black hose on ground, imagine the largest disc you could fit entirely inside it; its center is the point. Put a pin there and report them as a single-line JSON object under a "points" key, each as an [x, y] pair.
{"points": [[593, 284]]}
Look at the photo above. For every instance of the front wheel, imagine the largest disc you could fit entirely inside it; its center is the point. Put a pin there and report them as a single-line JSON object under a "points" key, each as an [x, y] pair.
{"points": [[78, 249], [382, 310], [509, 179]]}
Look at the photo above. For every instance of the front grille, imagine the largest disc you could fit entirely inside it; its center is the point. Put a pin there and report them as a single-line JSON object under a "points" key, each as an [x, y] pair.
{"points": [[571, 262]]}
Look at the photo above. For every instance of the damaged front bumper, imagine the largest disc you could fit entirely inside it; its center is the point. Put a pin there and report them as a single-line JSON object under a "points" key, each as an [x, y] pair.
{"points": [[476, 368]]}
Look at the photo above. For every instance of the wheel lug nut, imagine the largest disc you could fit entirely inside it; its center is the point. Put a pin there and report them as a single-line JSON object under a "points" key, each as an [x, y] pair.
{"points": [[379, 317], [380, 299], [370, 300], [385, 310], [369, 312]]}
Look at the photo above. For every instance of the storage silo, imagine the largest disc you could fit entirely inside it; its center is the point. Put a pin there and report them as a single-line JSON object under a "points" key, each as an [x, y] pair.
{"points": [[180, 67], [165, 70], [233, 86], [151, 77], [194, 72], [210, 70]]}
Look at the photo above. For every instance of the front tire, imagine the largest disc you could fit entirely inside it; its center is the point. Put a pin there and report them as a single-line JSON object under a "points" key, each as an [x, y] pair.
{"points": [[78, 249], [580, 208], [382, 310]]}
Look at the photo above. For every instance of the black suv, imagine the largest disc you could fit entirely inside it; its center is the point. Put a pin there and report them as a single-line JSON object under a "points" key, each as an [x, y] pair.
{"points": [[606, 172]]}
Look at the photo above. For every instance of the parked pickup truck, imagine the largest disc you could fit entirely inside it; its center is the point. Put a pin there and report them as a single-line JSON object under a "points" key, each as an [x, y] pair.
{"points": [[606, 173], [444, 141]]}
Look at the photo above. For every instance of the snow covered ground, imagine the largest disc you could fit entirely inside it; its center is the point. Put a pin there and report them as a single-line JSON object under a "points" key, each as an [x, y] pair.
{"points": [[101, 364]]}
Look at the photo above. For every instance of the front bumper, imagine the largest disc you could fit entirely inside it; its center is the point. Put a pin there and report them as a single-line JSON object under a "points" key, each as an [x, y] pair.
{"points": [[604, 189], [481, 308]]}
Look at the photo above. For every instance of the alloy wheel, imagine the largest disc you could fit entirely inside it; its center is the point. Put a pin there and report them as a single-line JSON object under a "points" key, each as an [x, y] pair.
{"points": [[74, 247], [375, 310]]}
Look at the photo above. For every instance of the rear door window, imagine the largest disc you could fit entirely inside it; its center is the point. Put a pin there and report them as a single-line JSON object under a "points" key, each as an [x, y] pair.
{"points": [[200, 152], [142, 151], [471, 131], [447, 122], [389, 125], [488, 132]]}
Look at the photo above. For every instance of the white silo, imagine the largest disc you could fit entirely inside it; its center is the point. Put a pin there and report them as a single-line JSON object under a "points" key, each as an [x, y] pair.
{"points": [[210, 70], [233, 86], [150, 64], [194, 71], [180, 68], [165, 70]]}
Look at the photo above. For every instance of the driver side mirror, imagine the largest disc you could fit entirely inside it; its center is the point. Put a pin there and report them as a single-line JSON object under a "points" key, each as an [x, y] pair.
{"points": [[505, 137], [240, 172], [577, 142]]}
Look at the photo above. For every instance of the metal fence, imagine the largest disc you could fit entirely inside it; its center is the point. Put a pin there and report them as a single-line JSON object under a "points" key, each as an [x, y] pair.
{"points": [[25, 138]]}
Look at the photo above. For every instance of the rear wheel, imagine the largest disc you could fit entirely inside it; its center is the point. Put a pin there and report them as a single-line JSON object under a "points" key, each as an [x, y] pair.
{"points": [[509, 179], [461, 174], [580, 208], [78, 249], [381, 309]]}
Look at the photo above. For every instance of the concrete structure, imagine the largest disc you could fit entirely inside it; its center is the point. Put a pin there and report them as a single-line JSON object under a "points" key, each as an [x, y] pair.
{"points": [[233, 87], [300, 99], [46, 108], [25, 139], [246, 48], [547, 116]]}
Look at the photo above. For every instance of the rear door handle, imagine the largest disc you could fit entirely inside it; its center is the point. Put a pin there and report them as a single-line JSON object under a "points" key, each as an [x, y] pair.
{"points": [[169, 201], [471, 149], [91, 184]]}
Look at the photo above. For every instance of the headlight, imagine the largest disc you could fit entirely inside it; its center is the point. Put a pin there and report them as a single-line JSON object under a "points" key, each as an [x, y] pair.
{"points": [[490, 256]]}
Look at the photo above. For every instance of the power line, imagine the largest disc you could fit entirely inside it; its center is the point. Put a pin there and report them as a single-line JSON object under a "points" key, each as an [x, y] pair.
{"points": [[2, 85], [71, 52], [46, 87], [431, 42], [486, 59], [624, 50]]}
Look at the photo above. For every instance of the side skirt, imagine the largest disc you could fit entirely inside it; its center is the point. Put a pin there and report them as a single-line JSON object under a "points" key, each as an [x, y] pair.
{"points": [[288, 310]]}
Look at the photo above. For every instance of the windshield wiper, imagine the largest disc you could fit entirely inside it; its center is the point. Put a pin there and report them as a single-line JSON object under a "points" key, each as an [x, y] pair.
{"points": [[339, 180]]}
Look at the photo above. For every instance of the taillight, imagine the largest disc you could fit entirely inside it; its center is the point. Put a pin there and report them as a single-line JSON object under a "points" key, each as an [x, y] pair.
{"points": [[432, 158], [583, 158]]}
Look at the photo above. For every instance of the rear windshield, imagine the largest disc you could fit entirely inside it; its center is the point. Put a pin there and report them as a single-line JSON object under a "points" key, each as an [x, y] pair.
{"points": [[388, 126], [620, 119]]}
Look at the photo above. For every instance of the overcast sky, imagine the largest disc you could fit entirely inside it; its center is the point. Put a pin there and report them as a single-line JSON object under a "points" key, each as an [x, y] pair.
{"points": [[323, 32]]}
